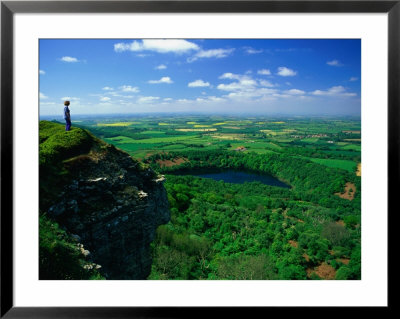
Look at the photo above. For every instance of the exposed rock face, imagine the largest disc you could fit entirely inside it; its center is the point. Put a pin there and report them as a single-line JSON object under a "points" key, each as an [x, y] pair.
{"points": [[114, 207]]}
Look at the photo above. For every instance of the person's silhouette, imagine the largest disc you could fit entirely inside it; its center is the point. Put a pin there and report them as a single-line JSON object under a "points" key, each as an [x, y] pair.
{"points": [[67, 116]]}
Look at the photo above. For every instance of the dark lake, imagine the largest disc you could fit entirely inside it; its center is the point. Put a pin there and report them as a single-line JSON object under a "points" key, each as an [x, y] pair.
{"points": [[235, 176]]}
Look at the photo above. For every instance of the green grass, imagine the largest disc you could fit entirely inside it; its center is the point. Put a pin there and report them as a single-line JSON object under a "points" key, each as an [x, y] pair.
{"points": [[353, 147], [55, 144], [152, 132]]}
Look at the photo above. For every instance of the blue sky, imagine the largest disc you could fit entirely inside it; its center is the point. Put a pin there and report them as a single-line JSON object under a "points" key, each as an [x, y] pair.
{"points": [[293, 77]]}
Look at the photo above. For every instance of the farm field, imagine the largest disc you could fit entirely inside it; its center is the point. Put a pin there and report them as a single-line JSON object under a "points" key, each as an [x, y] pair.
{"points": [[329, 142]]}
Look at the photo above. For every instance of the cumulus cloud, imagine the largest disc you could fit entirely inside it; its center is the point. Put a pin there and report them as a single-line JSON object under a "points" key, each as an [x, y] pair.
{"points": [[353, 78], [264, 72], [198, 83], [243, 84], [69, 59], [105, 99], [284, 71], [245, 87], [107, 88], [333, 91], [41, 72], [213, 53], [334, 63], [161, 67], [42, 96], [230, 76], [147, 99], [294, 92], [164, 79], [158, 45], [266, 83], [128, 88]]}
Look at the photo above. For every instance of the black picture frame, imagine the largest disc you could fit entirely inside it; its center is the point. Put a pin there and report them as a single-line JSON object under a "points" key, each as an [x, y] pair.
{"points": [[9, 8]]}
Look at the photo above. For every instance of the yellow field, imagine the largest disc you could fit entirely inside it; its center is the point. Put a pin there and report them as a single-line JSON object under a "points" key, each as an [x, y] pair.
{"points": [[269, 132], [196, 129], [191, 122], [115, 124], [229, 136], [232, 127], [163, 124], [221, 123], [202, 125], [240, 122], [278, 122]]}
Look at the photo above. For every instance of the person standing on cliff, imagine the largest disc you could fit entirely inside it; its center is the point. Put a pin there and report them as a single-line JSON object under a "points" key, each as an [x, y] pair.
{"points": [[67, 116]]}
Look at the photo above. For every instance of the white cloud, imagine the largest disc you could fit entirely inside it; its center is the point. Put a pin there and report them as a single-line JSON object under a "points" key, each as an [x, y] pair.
{"points": [[266, 83], [42, 96], [147, 99], [161, 67], [167, 99], [353, 78], [244, 82], [294, 92], [164, 79], [284, 71], [216, 99], [209, 99], [107, 88], [69, 59], [250, 50], [230, 76], [41, 72], [264, 72], [238, 86], [333, 91], [213, 53], [246, 88], [142, 55], [105, 99], [159, 46], [334, 63], [128, 88], [183, 101], [198, 83]]}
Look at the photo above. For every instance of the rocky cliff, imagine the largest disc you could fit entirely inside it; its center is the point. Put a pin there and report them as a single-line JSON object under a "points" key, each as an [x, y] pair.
{"points": [[106, 200]]}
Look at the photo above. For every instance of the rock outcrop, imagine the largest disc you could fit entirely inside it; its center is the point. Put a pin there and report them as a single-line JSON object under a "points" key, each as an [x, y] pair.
{"points": [[113, 205]]}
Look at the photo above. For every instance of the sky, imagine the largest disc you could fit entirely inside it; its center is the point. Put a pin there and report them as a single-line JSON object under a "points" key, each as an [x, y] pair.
{"points": [[227, 76]]}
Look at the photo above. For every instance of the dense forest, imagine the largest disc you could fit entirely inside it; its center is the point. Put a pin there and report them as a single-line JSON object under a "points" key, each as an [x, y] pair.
{"points": [[254, 231]]}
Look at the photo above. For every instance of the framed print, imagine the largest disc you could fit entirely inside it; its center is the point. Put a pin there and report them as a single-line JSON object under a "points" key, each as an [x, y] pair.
{"points": [[163, 155]]}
